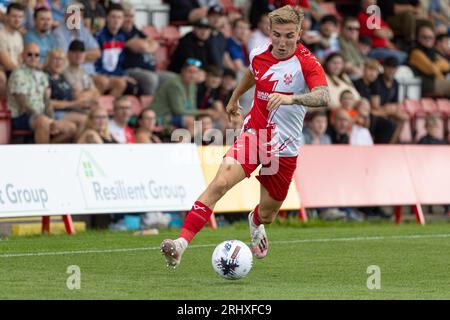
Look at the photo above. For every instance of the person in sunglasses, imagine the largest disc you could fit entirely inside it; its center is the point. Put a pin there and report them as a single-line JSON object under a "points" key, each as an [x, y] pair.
{"points": [[288, 79], [28, 98]]}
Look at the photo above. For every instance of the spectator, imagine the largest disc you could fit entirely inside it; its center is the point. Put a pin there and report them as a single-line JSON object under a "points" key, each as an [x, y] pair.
{"points": [[186, 10], [310, 38], [217, 40], [315, 130], [194, 44], [139, 61], [261, 35], [94, 15], [111, 78], [205, 136], [145, 132], [63, 36], [347, 102], [339, 131], [64, 102], [439, 12], [348, 43], [118, 125], [368, 86], [329, 37], [404, 16], [41, 34], [381, 35], [429, 65], [81, 83], [28, 100], [442, 45], [11, 42], [228, 84], [381, 129], [432, 129], [237, 53], [58, 8], [175, 101], [364, 46], [338, 80], [208, 97], [389, 87], [96, 130]]}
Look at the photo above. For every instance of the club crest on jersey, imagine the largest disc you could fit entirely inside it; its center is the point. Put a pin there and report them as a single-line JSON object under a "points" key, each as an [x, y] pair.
{"points": [[287, 79]]}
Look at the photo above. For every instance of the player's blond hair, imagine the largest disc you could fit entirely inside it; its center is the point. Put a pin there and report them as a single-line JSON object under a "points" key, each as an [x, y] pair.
{"points": [[285, 15]]}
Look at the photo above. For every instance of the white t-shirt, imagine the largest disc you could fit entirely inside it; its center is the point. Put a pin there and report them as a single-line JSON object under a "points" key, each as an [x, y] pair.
{"points": [[360, 136], [117, 132]]}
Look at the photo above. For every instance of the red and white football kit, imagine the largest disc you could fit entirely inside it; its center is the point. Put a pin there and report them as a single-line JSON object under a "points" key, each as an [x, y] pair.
{"points": [[273, 138]]}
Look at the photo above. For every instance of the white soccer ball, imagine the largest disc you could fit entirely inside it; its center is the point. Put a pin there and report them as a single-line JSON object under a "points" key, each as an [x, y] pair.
{"points": [[232, 259]]}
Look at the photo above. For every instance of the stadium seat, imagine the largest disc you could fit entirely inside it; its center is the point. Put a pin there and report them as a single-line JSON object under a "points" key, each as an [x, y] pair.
{"points": [[151, 32], [429, 105], [413, 107], [135, 104], [443, 106], [170, 34], [406, 134], [162, 58], [146, 100], [107, 102]]}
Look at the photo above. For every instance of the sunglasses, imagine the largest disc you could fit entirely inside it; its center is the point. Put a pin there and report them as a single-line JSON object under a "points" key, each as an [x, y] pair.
{"points": [[194, 62], [32, 54]]}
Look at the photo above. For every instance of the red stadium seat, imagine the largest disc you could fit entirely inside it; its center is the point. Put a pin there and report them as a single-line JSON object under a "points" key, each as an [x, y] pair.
{"points": [[413, 107], [135, 104], [443, 105], [162, 58], [151, 32], [170, 34], [429, 105], [146, 101], [107, 102]]}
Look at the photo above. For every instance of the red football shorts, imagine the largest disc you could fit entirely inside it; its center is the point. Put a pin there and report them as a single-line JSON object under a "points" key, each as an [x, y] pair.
{"points": [[276, 172]]}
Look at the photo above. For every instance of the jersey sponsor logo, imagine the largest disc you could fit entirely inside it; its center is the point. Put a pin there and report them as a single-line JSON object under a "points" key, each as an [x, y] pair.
{"points": [[262, 95]]}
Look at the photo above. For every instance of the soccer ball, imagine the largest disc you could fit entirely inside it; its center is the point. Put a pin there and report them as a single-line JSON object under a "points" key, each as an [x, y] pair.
{"points": [[232, 259]]}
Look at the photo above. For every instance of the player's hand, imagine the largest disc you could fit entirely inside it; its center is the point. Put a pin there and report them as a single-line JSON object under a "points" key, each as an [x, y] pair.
{"points": [[277, 99], [234, 109]]}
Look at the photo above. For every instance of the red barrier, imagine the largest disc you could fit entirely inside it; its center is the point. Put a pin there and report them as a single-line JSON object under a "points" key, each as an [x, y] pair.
{"points": [[347, 176]]}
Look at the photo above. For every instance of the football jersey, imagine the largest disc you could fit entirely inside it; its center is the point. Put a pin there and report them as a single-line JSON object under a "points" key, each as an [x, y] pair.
{"points": [[297, 74]]}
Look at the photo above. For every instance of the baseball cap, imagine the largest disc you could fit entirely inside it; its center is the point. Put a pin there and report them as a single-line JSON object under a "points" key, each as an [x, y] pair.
{"points": [[216, 9], [391, 62], [202, 23]]}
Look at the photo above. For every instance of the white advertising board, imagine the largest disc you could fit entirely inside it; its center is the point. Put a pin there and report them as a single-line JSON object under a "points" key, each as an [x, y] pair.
{"points": [[40, 180]]}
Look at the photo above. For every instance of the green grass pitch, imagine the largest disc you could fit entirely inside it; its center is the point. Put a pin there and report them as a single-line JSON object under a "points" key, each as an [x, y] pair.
{"points": [[320, 262]]}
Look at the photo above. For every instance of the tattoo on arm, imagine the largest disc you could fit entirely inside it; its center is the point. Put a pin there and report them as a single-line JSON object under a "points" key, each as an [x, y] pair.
{"points": [[318, 97]]}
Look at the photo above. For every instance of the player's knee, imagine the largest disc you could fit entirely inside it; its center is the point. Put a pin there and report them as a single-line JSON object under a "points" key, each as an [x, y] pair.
{"points": [[220, 185]]}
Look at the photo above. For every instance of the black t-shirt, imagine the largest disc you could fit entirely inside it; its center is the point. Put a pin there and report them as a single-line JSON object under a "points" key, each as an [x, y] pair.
{"points": [[387, 95], [180, 9], [338, 138], [191, 47], [137, 60], [218, 45], [61, 89], [367, 91], [205, 101]]}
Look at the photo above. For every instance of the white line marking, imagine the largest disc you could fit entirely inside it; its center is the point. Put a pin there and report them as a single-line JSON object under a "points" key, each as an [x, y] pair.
{"points": [[60, 253]]}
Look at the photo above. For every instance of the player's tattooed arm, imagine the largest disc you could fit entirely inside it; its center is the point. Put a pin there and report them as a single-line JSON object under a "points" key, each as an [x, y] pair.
{"points": [[318, 97]]}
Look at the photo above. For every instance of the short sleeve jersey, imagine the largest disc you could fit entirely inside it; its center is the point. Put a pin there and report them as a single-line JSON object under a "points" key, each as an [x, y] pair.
{"points": [[297, 74]]}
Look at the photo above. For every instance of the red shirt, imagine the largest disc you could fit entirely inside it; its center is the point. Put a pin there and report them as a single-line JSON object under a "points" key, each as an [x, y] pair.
{"points": [[377, 42]]}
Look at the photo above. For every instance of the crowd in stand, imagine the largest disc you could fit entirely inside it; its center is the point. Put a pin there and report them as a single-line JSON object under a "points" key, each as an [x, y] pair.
{"points": [[53, 75]]}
